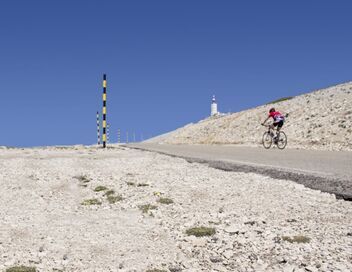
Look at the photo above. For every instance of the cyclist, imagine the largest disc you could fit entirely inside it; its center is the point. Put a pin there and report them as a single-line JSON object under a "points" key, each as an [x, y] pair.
{"points": [[279, 120]]}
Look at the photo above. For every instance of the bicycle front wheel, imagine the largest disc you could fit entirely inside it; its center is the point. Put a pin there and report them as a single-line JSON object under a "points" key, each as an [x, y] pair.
{"points": [[267, 140], [282, 141]]}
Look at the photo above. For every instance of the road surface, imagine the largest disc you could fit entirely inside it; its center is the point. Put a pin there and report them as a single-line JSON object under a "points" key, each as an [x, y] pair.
{"points": [[328, 171]]}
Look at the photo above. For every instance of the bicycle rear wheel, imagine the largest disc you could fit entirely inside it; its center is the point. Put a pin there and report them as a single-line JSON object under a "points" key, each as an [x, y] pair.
{"points": [[267, 140], [282, 141]]}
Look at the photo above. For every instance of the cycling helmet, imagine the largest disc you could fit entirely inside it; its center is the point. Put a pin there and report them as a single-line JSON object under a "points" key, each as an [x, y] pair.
{"points": [[272, 110]]}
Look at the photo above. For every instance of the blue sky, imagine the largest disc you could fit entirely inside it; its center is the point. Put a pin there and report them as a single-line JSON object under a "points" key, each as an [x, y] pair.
{"points": [[163, 60]]}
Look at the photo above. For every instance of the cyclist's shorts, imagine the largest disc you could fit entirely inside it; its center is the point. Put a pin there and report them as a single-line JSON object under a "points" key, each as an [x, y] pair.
{"points": [[279, 124]]}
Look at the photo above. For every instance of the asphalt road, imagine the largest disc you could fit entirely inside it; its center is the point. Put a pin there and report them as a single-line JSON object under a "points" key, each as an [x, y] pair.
{"points": [[328, 171]]}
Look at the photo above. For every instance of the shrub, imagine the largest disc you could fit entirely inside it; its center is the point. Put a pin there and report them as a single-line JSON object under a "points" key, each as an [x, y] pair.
{"points": [[83, 179], [280, 100], [109, 193], [100, 188], [142, 184], [92, 201], [113, 199], [165, 200], [145, 208], [296, 239], [21, 269], [200, 231]]}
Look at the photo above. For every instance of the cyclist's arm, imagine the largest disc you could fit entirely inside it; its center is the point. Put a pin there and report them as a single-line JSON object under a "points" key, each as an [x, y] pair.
{"points": [[266, 120]]}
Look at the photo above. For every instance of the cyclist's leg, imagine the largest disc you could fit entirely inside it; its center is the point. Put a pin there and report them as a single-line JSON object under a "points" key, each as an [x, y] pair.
{"points": [[279, 126], [275, 126], [272, 130]]}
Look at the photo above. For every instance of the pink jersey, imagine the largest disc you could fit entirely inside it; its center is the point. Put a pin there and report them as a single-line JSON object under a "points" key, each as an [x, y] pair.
{"points": [[277, 116]]}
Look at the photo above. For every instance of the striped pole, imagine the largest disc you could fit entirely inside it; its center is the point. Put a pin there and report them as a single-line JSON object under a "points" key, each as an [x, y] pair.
{"points": [[118, 136], [108, 134], [104, 110], [98, 128]]}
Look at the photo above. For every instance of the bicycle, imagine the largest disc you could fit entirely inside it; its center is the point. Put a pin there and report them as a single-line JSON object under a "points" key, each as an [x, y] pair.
{"points": [[269, 138]]}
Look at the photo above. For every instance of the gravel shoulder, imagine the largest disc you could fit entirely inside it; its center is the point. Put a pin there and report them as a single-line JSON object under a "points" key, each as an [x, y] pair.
{"points": [[260, 223]]}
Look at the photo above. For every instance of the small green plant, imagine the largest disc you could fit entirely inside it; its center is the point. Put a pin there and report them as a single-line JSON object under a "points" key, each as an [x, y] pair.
{"points": [[130, 183], [200, 231], [100, 188], [142, 184], [113, 199], [280, 100], [109, 193], [296, 239], [165, 200], [83, 178], [92, 201], [147, 207], [21, 269]]}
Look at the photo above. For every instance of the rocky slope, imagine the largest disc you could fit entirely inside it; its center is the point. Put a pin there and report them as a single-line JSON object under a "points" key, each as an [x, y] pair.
{"points": [[87, 209], [320, 119]]}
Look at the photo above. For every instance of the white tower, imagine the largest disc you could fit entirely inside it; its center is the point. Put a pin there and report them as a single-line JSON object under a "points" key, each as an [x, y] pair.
{"points": [[214, 107]]}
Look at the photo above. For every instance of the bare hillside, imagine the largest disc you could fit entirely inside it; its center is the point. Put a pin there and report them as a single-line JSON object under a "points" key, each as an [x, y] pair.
{"points": [[62, 211], [320, 119]]}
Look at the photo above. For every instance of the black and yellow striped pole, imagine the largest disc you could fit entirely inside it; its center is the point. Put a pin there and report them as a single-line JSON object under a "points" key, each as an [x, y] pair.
{"points": [[98, 128], [108, 133], [104, 110], [118, 136]]}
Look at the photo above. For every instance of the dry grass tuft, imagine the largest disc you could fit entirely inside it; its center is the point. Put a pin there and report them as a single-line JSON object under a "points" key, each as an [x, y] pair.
{"points": [[280, 100], [93, 201], [165, 200], [83, 178], [100, 188], [142, 184], [296, 239], [21, 269], [113, 199], [200, 231], [109, 193], [147, 207]]}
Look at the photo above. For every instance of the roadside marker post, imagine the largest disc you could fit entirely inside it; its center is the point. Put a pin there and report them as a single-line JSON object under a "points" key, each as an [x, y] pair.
{"points": [[108, 133], [104, 111], [98, 128]]}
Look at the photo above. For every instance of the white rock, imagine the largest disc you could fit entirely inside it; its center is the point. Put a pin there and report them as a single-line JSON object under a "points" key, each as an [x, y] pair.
{"points": [[228, 254], [233, 229]]}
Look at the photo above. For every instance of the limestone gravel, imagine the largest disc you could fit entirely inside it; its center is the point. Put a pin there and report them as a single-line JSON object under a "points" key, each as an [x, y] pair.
{"points": [[44, 225]]}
